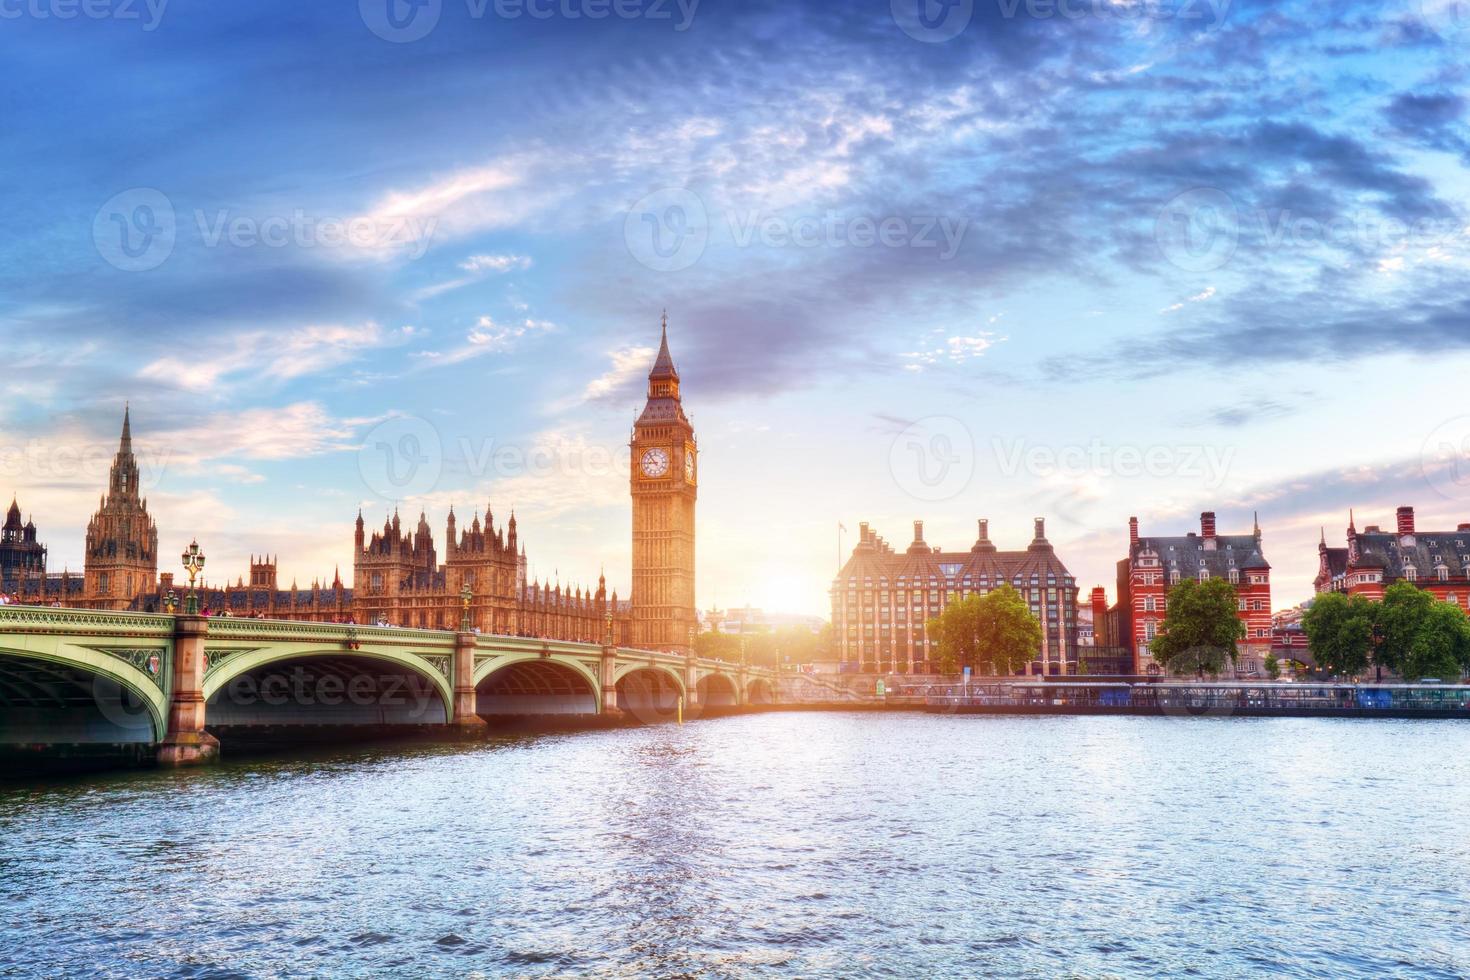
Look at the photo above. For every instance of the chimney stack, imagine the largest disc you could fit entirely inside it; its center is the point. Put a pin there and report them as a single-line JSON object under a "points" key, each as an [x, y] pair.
{"points": [[1406, 521], [1207, 524], [1040, 529], [984, 529], [918, 531], [1132, 531], [1099, 613]]}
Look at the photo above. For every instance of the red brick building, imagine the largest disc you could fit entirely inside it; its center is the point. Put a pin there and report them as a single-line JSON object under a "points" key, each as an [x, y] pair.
{"points": [[1156, 564], [1374, 559]]}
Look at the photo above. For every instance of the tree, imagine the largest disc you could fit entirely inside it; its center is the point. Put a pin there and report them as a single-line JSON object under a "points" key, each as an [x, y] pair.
{"points": [[955, 633], [994, 632], [1339, 632], [717, 646], [1201, 628], [1273, 667], [1422, 637]]}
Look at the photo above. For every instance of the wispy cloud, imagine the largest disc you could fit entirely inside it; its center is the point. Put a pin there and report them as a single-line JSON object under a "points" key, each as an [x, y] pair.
{"points": [[270, 356], [486, 337]]}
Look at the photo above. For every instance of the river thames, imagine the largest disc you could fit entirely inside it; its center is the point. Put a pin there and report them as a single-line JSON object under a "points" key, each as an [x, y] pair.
{"points": [[767, 845]]}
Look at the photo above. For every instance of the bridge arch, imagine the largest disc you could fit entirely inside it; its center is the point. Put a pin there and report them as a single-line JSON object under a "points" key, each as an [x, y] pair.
{"points": [[535, 685], [82, 695], [759, 691], [651, 693], [717, 691], [330, 687]]}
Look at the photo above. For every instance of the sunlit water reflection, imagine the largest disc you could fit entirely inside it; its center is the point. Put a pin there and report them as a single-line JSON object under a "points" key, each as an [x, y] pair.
{"points": [[777, 844]]}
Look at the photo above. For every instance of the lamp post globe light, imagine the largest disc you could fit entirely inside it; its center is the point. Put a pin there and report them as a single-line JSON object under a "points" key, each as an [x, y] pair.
{"points": [[171, 602], [466, 595], [193, 560]]}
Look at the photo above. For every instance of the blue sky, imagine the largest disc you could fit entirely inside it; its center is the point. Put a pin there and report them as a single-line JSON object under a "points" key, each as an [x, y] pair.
{"points": [[1012, 258]]}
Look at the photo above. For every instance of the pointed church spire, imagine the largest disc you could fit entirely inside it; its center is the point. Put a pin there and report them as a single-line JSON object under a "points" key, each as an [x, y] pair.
{"points": [[127, 433], [663, 365]]}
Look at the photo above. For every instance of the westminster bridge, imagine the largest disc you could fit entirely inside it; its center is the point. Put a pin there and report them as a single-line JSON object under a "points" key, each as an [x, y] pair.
{"points": [[167, 685]]}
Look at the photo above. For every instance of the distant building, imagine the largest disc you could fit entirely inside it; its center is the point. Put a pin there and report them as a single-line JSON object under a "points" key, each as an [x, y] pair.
{"points": [[1086, 637], [122, 539], [22, 557], [1156, 564], [1288, 639], [881, 598], [1374, 559], [749, 619]]}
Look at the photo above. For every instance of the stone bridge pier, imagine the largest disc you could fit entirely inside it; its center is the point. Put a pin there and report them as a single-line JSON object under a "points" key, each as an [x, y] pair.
{"points": [[187, 743]]}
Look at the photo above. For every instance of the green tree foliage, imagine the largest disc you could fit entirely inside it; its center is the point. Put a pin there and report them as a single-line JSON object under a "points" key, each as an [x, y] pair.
{"points": [[994, 633], [1422, 636], [717, 646], [767, 648], [1339, 632], [1273, 667], [1201, 628]]}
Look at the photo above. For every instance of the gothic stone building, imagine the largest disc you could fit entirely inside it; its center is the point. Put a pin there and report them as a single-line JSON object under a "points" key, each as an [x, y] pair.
{"points": [[22, 556], [1374, 559], [121, 566], [882, 598], [399, 575], [1155, 564]]}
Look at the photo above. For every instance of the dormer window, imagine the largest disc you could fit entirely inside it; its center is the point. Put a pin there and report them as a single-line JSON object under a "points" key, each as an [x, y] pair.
{"points": [[1410, 573]]}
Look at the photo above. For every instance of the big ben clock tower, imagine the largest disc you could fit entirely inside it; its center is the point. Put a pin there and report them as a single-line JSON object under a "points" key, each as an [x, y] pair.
{"points": [[664, 486]]}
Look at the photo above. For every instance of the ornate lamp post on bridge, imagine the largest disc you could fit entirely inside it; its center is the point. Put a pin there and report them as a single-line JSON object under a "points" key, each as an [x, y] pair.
{"points": [[193, 560], [171, 602], [466, 596]]}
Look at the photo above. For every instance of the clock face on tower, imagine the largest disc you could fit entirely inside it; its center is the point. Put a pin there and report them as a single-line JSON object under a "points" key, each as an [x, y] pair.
{"points": [[655, 462]]}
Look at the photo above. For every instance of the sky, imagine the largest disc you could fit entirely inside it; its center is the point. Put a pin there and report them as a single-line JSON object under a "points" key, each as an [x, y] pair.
{"points": [[921, 260]]}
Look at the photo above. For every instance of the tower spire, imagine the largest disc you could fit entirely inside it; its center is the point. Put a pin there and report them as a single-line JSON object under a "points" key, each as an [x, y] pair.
{"points": [[663, 365]]}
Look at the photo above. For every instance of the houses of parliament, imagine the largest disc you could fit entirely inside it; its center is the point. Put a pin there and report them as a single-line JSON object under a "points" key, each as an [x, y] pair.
{"points": [[399, 575]]}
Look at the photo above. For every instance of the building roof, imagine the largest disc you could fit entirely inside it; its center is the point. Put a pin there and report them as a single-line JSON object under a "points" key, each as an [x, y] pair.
{"points": [[663, 365], [1429, 550], [874, 559], [1188, 553]]}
